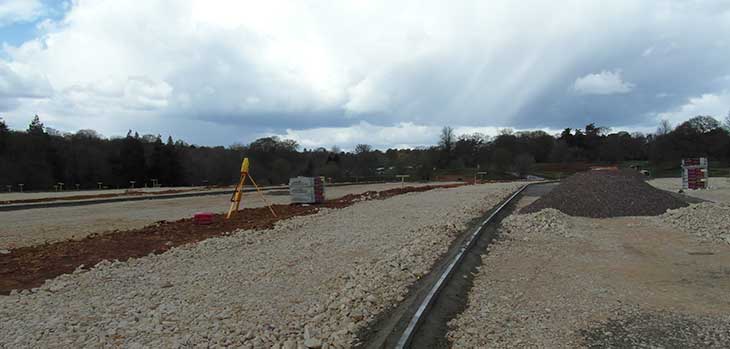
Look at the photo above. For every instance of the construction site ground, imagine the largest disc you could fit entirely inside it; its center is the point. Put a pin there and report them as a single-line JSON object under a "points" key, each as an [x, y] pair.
{"points": [[11, 197], [553, 280], [718, 190], [320, 276], [314, 280], [36, 226]]}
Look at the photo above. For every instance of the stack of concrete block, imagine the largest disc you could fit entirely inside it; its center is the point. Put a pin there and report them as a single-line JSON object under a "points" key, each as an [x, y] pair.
{"points": [[306, 190]]}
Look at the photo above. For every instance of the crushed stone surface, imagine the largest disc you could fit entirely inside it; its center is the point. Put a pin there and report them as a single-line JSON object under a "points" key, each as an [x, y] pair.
{"points": [[311, 281], [708, 221], [636, 329], [718, 188], [72, 193], [47, 225], [555, 281], [547, 221]]}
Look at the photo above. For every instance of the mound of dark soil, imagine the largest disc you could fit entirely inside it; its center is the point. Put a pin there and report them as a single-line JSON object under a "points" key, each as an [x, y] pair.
{"points": [[601, 194]]}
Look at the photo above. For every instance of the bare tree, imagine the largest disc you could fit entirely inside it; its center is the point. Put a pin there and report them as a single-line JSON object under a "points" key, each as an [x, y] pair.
{"points": [[447, 139], [664, 127], [363, 148], [727, 120], [447, 142]]}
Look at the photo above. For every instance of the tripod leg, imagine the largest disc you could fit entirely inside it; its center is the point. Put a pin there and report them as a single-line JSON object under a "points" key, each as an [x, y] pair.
{"points": [[235, 199], [240, 192], [262, 196], [230, 210]]}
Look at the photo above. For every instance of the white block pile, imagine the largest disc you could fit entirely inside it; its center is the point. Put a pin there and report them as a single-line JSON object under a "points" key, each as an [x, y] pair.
{"points": [[306, 190]]}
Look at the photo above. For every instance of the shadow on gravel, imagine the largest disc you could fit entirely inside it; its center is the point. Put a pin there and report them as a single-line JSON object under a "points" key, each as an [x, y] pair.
{"points": [[659, 330]]}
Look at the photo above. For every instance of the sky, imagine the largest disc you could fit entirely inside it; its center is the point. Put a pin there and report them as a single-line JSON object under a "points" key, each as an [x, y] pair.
{"points": [[339, 73]]}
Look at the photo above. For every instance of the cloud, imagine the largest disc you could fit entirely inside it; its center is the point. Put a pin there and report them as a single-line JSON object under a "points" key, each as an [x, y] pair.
{"points": [[19, 82], [713, 104], [224, 71], [406, 135], [603, 83], [402, 135], [13, 11], [136, 93]]}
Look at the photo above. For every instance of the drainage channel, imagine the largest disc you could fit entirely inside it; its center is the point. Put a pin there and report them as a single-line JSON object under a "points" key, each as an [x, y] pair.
{"points": [[420, 321]]}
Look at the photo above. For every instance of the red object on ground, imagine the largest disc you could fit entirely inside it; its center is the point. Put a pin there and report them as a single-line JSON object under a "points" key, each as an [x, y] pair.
{"points": [[203, 217]]}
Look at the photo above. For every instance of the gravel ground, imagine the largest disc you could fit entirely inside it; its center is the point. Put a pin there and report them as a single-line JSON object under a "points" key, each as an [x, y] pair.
{"points": [[708, 221], [311, 281], [36, 226], [636, 329], [554, 280], [61, 194], [718, 191]]}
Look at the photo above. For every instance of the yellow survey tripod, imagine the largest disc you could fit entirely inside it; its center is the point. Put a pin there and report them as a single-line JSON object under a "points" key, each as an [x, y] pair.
{"points": [[236, 197]]}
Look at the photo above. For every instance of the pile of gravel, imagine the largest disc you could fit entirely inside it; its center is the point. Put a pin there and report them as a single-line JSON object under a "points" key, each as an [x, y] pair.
{"points": [[547, 221], [602, 194], [708, 221]]}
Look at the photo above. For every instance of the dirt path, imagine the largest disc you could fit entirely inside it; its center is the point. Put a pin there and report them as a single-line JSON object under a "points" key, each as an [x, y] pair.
{"points": [[560, 281], [32, 227]]}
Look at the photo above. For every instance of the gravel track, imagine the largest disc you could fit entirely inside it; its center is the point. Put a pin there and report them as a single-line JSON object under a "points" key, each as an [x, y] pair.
{"points": [[71, 193], [554, 280], [37, 226], [311, 281]]}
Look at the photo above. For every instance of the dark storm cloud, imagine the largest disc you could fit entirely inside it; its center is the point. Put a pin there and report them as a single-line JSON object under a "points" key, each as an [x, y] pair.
{"points": [[231, 70]]}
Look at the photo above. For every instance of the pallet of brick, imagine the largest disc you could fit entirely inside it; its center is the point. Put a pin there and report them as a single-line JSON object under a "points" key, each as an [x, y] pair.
{"points": [[318, 189], [694, 173]]}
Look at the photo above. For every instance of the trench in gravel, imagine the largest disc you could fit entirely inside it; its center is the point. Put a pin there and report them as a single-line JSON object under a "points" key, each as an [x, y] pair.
{"points": [[454, 296], [452, 300]]}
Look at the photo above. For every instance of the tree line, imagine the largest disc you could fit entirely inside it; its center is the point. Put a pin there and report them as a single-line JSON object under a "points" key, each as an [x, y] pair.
{"points": [[41, 158]]}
